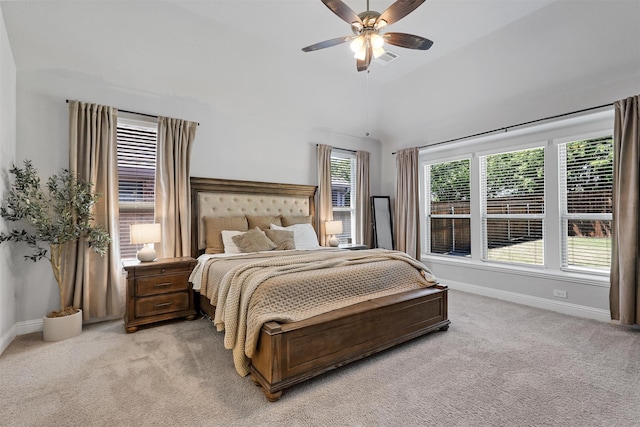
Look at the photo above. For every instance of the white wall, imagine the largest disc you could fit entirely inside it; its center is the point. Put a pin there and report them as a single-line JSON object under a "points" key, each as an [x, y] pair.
{"points": [[551, 63], [230, 143], [498, 81], [7, 156]]}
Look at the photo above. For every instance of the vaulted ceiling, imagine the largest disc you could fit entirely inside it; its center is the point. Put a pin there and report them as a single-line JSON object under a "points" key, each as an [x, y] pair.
{"points": [[488, 50]]}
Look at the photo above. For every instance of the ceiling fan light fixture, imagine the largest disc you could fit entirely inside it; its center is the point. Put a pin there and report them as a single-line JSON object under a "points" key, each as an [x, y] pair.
{"points": [[381, 23], [376, 41], [357, 44], [362, 53], [378, 52]]}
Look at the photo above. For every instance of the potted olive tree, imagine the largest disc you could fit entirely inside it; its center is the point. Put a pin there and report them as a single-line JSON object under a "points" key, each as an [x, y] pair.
{"points": [[57, 216]]}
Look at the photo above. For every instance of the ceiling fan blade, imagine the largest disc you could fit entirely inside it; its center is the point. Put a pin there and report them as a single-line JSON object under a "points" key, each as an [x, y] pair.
{"points": [[399, 10], [364, 64], [407, 40], [327, 43], [343, 11]]}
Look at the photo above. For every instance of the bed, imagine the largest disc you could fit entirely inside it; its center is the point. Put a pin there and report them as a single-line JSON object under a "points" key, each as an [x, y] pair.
{"points": [[292, 348]]}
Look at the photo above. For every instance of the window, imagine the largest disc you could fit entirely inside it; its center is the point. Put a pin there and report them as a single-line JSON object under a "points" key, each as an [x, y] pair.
{"points": [[448, 202], [136, 177], [343, 193], [513, 206], [586, 189]]}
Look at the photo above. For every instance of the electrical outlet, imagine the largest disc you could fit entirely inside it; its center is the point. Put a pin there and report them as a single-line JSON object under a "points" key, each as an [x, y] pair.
{"points": [[560, 294]]}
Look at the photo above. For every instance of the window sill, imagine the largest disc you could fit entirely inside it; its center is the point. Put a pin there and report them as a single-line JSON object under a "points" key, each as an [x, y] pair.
{"points": [[540, 272]]}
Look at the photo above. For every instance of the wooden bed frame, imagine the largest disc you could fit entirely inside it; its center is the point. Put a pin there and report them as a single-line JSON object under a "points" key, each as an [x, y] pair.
{"points": [[289, 353]]}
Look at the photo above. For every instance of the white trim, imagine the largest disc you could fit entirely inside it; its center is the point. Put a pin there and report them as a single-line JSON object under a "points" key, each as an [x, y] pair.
{"points": [[508, 149], [604, 133], [7, 339], [540, 271], [544, 303], [435, 161], [29, 326]]}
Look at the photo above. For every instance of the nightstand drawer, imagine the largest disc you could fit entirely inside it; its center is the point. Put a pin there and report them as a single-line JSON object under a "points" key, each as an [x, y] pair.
{"points": [[154, 285], [151, 306], [158, 291]]}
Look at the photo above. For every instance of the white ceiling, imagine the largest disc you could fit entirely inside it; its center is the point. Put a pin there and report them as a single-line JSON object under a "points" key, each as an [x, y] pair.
{"points": [[558, 55], [62, 29], [287, 26]]}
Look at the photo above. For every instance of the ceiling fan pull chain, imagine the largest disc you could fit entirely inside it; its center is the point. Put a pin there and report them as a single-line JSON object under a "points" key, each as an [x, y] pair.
{"points": [[366, 133]]}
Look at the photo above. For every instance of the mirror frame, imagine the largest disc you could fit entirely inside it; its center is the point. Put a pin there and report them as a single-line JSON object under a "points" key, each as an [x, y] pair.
{"points": [[380, 223]]}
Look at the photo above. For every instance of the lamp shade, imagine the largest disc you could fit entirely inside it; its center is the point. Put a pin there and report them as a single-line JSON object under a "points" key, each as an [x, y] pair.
{"points": [[333, 227], [145, 233]]}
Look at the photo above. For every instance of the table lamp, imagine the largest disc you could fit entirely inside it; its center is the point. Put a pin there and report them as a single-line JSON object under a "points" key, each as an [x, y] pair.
{"points": [[145, 234], [331, 228]]}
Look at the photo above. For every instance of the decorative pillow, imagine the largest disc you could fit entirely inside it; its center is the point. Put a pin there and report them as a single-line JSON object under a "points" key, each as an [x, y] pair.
{"points": [[282, 238], [291, 220], [213, 227], [303, 235], [254, 240], [262, 221], [230, 246]]}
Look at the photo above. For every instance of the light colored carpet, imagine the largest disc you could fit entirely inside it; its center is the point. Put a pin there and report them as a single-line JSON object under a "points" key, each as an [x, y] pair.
{"points": [[500, 364]]}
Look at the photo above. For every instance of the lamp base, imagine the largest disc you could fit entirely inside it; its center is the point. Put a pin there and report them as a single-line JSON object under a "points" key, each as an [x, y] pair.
{"points": [[146, 254], [333, 241]]}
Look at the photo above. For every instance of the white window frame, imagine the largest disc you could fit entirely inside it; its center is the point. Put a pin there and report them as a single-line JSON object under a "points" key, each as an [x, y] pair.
{"points": [[559, 143], [487, 216], [427, 215], [340, 154], [545, 133], [134, 120]]}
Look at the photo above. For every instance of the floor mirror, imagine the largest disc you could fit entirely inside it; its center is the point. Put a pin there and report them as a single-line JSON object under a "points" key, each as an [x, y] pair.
{"points": [[382, 223]]}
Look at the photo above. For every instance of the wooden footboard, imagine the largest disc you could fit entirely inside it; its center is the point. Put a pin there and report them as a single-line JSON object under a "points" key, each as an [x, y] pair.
{"points": [[290, 353]]}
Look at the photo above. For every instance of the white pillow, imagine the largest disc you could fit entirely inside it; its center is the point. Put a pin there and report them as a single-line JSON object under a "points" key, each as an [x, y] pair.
{"points": [[230, 246], [304, 236]]}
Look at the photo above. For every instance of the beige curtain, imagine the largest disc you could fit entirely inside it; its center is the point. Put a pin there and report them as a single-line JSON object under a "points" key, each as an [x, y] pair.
{"points": [[325, 206], [363, 205], [407, 210], [94, 283], [624, 293], [173, 201]]}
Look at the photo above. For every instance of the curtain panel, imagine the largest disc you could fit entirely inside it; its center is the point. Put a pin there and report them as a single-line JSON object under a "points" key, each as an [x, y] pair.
{"points": [[363, 193], [94, 283], [407, 206], [325, 205], [624, 293], [173, 199]]}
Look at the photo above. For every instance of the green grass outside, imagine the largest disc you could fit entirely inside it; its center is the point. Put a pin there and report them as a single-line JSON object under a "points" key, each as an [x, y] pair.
{"points": [[590, 252]]}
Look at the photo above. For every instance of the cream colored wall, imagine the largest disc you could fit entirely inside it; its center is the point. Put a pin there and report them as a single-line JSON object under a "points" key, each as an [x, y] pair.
{"points": [[229, 144], [7, 157]]}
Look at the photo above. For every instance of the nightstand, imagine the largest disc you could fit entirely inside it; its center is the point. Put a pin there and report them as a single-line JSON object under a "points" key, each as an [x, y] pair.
{"points": [[353, 246], [157, 291]]}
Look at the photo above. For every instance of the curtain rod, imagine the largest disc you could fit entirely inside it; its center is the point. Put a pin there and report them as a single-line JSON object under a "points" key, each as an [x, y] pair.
{"points": [[505, 129], [134, 112], [342, 149]]}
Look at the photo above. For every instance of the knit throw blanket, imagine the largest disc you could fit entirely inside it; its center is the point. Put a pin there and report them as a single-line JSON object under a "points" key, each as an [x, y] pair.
{"points": [[302, 285]]}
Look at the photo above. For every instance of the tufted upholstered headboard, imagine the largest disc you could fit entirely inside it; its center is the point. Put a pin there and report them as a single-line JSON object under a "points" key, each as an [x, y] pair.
{"points": [[223, 197]]}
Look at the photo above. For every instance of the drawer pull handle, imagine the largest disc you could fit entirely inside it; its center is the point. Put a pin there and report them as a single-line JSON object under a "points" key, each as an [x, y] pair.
{"points": [[161, 285], [164, 304], [163, 270]]}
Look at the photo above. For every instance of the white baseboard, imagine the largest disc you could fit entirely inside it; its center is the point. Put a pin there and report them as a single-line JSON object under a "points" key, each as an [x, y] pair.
{"points": [[29, 326], [6, 339], [547, 304]]}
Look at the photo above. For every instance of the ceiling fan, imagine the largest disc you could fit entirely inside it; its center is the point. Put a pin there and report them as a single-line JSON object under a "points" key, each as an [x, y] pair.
{"points": [[367, 41]]}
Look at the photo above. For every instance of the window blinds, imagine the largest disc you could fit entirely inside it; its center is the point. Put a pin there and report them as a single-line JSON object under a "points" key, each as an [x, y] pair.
{"points": [[343, 194], [136, 179], [586, 188], [448, 207], [513, 206]]}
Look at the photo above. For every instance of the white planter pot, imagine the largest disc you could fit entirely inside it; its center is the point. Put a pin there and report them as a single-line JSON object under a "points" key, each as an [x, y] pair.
{"points": [[61, 328]]}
